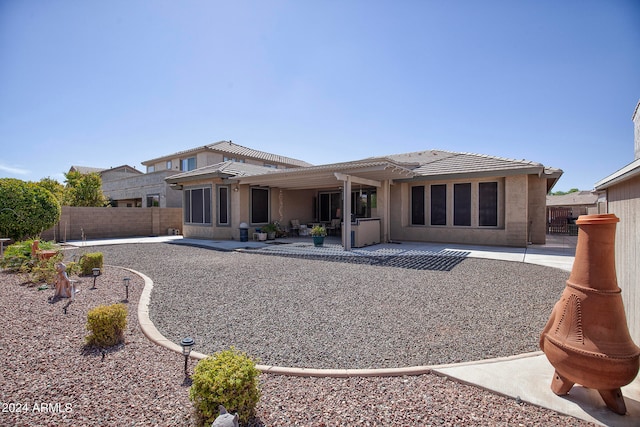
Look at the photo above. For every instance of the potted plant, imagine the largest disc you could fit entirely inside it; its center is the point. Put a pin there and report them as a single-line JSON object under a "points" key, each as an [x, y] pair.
{"points": [[270, 229], [318, 233]]}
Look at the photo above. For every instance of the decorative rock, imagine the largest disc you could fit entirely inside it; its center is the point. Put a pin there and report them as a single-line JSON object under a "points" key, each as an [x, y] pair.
{"points": [[225, 419]]}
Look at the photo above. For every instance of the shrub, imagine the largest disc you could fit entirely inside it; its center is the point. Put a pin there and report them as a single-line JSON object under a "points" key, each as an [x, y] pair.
{"points": [[17, 259], [106, 324], [228, 378], [90, 261], [26, 209]]}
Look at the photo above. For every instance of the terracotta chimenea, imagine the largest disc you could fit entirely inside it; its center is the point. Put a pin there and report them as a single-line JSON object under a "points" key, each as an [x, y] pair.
{"points": [[586, 338]]}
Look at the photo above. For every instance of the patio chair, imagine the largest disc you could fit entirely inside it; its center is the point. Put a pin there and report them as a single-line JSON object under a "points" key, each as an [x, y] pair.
{"points": [[295, 227], [333, 227]]}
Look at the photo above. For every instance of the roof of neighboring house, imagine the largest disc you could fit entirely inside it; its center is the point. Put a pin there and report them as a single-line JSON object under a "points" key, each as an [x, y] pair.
{"points": [[123, 168], [629, 171], [85, 169], [233, 149], [227, 169], [578, 198]]}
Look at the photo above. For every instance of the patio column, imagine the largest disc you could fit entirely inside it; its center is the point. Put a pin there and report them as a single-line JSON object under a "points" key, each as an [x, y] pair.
{"points": [[346, 197]]}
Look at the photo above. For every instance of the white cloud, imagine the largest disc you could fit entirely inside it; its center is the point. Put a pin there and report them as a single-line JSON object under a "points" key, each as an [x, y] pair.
{"points": [[17, 171]]}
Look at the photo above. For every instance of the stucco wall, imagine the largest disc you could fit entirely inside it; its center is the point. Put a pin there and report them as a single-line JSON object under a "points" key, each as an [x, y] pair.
{"points": [[537, 209], [624, 201], [139, 186], [512, 214], [77, 223]]}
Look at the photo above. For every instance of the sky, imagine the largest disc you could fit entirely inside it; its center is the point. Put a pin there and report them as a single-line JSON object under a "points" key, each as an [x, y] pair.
{"points": [[108, 83]]}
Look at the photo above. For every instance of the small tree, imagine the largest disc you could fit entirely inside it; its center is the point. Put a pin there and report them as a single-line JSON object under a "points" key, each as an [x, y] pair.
{"points": [[26, 208], [54, 186], [83, 189]]}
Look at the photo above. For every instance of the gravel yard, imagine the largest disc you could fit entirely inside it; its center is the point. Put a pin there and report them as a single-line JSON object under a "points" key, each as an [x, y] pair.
{"points": [[283, 311]]}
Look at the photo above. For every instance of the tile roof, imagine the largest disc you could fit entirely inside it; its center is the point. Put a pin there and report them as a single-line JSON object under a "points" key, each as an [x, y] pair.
{"points": [[239, 150], [438, 162], [233, 149], [85, 169], [407, 166], [578, 198], [225, 169]]}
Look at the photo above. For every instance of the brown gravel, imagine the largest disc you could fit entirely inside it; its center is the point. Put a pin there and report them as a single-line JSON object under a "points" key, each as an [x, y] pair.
{"points": [[52, 379]]}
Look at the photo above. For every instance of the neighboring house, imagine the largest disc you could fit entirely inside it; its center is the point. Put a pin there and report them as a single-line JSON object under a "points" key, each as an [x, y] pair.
{"points": [[622, 189], [85, 169], [435, 196], [563, 210], [128, 187]]}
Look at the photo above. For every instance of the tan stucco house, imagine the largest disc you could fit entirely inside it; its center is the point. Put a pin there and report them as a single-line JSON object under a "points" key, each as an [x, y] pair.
{"points": [[126, 186], [433, 196]]}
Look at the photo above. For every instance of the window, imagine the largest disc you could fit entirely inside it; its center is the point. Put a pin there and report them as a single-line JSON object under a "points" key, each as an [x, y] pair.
{"points": [[462, 204], [168, 164], [197, 205], [259, 205], [330, 206], [223, 205], [151, 169], [488, 204], [233, 159], [362, 201], [439, 204], [188, 164], [417, 205], [153, 200]]}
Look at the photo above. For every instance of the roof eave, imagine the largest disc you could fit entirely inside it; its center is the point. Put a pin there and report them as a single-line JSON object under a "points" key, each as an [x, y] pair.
{"points": [[629, 171]]}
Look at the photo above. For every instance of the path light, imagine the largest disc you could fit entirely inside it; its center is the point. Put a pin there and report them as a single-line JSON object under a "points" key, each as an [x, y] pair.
{"points": [[125, 281], [186, 344], [96, 273]]}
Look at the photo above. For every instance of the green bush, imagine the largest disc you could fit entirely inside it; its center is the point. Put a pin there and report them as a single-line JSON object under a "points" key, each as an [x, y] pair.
{"points": [[90, 261], [228, 378], [17, 259], [26, 208], [106, 323]]}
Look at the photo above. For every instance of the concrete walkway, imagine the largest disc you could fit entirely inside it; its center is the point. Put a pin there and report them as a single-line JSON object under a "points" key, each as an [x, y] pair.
{"points": [[526, 377]]}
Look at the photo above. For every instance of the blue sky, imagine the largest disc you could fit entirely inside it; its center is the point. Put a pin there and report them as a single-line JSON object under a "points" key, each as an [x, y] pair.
{"points": [[107, 83]]}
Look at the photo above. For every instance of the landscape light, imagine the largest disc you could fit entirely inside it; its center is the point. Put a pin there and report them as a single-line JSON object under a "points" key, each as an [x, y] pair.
{"points": [[186, 344], [126, 286], [96, 273]]}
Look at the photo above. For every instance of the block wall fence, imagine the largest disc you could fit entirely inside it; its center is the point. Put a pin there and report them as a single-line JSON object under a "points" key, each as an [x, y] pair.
{"points": [[77, 223]]}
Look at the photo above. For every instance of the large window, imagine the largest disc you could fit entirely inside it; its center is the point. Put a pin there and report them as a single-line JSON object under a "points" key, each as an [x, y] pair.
{"points": [[330, 206], [439, 204], [223, 205], [197, 205], [188, 164], [417, 205], [462, 204], [259, 205], [488, 204]]}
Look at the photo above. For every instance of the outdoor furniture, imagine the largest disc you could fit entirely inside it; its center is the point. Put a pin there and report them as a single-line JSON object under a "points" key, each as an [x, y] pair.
{"points": [[333, 227], [295, 226]]}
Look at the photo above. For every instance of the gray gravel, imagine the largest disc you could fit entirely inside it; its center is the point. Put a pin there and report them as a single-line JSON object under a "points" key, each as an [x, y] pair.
{"points": [[323, 314], [139, 383]]}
